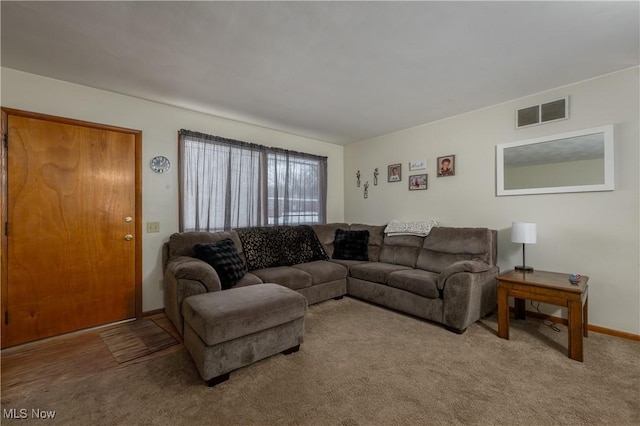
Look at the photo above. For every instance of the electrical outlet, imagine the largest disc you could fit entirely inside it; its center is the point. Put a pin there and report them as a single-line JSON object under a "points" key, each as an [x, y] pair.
{"points": [[153, 227]]}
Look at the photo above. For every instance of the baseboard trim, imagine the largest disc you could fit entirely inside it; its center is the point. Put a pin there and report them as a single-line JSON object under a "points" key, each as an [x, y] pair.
{"points": [[590, 327], [154, 312]]}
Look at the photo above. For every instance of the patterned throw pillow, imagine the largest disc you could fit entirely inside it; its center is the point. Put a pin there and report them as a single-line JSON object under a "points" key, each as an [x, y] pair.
{"points": [[351, 245], [261, 247], [225, 259]]}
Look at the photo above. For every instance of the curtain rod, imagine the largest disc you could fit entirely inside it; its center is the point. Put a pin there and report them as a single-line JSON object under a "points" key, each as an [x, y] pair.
{"points": [[234, 142]]}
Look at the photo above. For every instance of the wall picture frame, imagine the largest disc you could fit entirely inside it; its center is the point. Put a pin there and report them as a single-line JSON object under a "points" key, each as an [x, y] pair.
{"points": [[446, 166], [417, 165], [418, 182], [394, 172]]}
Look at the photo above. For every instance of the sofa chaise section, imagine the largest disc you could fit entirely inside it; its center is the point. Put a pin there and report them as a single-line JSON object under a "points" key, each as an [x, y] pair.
{"points": [[186, 275]]}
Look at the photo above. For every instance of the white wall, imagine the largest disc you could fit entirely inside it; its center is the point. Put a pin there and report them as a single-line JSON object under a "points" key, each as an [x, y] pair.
{"points": [[159, 124], [595, 234]]}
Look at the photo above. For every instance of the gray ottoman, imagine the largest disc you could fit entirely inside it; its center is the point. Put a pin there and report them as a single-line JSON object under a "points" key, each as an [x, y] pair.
{"points": [[229, 329]]}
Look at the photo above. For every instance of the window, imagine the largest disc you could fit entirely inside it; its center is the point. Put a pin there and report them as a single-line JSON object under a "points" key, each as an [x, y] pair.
{"points": [[227, 184]]}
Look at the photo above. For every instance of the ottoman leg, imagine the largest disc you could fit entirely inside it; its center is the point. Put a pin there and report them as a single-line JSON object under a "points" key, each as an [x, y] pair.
{"points": [[291, 350], [217, 380]]}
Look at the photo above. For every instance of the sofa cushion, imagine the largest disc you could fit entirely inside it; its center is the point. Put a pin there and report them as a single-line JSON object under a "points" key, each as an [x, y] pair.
{"points": [[222, 316], [351, 245], [376, 238], [326, 233], [248, 279], [181, 243], [375, 271], [445, 246], [417, 281], [322, 271], [401, 249], [348, 263], [287, 276], [225, 259]]}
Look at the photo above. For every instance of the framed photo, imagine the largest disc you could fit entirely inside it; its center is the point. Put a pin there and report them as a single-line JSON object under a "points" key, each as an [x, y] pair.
{"points": [[417, 165], [417, 182], [394, 172], [447, 166]]}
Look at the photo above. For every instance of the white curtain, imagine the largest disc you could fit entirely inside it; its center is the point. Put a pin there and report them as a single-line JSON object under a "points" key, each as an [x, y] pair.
{"points": [[227, 184], [296, 190]]}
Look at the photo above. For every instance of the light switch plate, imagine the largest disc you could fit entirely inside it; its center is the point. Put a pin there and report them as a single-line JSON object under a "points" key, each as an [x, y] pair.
{"points": [[153, 227]]}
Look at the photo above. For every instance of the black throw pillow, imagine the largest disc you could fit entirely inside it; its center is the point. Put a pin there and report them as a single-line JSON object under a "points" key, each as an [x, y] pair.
{"points": [[351, 245], [225, 259]]}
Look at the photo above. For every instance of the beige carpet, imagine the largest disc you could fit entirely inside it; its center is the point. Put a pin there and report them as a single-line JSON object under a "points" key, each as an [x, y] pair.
{"points": [[365, 365], [136, 339]]}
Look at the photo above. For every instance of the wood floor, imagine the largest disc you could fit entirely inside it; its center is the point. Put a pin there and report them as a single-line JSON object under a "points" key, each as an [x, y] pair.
{"points": [[31, 366]]}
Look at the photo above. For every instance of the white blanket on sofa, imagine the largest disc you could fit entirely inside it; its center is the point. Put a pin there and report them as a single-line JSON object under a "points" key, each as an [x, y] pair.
{"points": [[419, 228]]}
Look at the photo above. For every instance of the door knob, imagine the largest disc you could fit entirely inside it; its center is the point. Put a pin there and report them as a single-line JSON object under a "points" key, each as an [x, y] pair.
{"points": [[128, 237], [128, 219]]}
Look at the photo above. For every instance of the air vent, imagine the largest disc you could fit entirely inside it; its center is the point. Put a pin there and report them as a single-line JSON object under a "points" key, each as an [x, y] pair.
{"points": [[543, 113]]}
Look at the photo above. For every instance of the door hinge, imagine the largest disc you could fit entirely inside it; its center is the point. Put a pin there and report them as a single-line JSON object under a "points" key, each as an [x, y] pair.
{"points": [[6, 317]]}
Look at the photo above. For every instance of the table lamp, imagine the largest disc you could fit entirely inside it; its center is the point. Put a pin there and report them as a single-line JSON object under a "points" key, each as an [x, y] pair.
{"points": [[525, 233]]}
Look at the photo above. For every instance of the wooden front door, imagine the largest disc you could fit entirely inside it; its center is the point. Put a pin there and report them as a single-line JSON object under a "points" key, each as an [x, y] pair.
{"points": [[72, 227]]}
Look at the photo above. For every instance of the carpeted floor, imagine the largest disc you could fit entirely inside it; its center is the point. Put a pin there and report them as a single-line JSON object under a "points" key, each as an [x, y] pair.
{"points": [[365, 365]]}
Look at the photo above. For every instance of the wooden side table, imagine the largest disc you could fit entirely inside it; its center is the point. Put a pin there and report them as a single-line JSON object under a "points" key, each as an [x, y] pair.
{"points": [[548, 287]]}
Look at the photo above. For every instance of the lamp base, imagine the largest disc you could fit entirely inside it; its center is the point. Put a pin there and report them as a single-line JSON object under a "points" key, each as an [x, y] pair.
{"points": [[524, 268]]}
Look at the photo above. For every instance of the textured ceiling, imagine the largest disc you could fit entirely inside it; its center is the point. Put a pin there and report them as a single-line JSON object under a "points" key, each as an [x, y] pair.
{"points": [[334, 71]]}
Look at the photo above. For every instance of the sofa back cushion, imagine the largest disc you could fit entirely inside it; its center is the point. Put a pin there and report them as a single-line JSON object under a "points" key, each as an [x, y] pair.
{"points": [[444, 246], [181, 243], [401, 249], [326, 234]]}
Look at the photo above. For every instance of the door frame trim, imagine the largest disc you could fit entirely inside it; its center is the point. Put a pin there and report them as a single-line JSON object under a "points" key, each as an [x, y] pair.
{"points": [[138, 200]]}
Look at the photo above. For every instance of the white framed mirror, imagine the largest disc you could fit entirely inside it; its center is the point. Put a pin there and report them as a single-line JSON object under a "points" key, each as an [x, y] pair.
{"points": [[579, 161]]}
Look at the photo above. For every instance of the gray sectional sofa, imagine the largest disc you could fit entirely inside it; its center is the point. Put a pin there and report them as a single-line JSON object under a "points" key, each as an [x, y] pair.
{"points": [[448, 277]]}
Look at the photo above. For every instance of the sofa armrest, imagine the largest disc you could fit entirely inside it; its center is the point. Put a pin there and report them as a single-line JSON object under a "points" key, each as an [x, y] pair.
{"points": [[467, 296], [184, 277], [190, 268], [473, 266]]}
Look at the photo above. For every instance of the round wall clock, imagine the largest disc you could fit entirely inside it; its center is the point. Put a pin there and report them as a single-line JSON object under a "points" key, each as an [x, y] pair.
{"points": [[160, 164]]}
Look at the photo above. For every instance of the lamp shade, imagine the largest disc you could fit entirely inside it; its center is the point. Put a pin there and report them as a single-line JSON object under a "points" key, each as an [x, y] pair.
{"points": [[523, 232]]}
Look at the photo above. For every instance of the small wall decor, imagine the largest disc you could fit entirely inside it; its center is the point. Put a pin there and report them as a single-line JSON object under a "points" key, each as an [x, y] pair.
{"points": [[366, 189], [418, 182], [394, 172], [417, 165], [358, 178], [447, 166], [375, 176], [160, 164]]}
